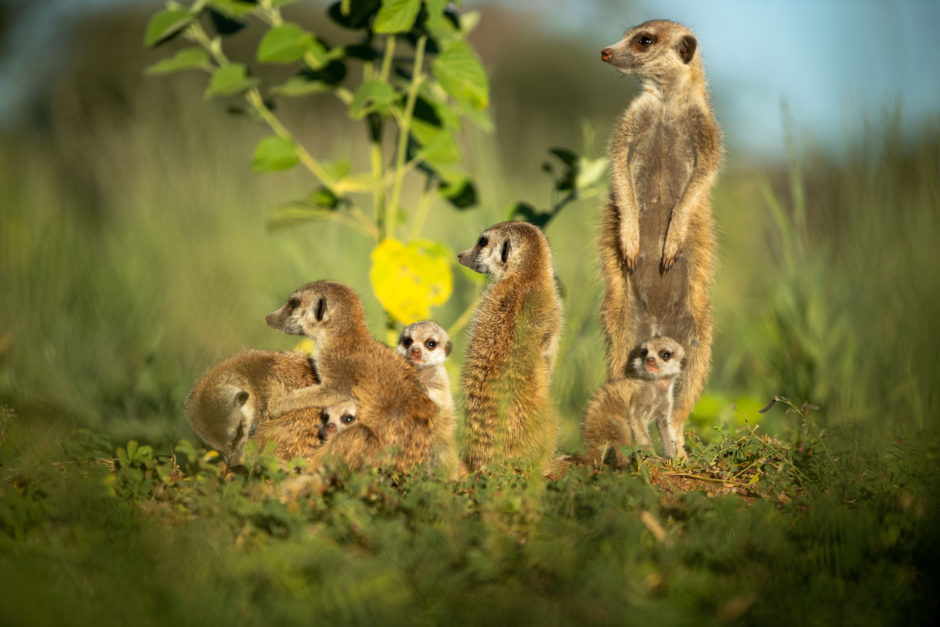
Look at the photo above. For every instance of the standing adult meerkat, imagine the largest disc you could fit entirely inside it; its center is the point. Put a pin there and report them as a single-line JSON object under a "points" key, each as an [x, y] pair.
{"points": [[427, 345], [394, 413], [623, 409], [657, 241], [228, 403], [513, 342]]}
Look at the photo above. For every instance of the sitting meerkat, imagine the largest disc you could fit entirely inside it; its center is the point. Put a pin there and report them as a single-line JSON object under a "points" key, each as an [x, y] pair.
{"points": [[513, 342], [657, 240], [394, 415], [427, 345], [635, 402], [227, 404], [299, 432]]}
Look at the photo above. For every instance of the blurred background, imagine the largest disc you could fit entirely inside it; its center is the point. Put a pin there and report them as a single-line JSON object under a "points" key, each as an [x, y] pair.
{"points": [[135, 249]]}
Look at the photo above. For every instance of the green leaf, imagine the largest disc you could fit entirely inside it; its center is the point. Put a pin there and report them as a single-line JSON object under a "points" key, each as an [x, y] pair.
{"points": [[461, 75], [410, 279], [284, 44], [358, 183], [441, 149], [372, 95], [165, 25], [274, 153], [396, 16], [590, 171], [300, 86], [462, 193], [186, 59], [229, 80], [233, 8]]}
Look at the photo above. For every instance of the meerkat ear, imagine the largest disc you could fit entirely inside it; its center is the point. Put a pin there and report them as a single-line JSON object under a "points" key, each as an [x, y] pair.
{"points": [[241, 398], [686, 48], [321, 309], [507, 248], [448, 347]]}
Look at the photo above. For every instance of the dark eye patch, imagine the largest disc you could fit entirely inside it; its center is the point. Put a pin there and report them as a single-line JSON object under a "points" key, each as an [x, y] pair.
{"points": [[348, 419], [239, 433], [292, 304], [482, 242], [431, 344], [666, 355], [407, 342], [644, 353]]}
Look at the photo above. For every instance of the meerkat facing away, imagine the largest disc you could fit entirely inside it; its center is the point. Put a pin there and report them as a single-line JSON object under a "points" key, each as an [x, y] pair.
{"points": [[513, 342], [623, 409], [427, 345], [228, 403], [657, 240], [394, 413]]}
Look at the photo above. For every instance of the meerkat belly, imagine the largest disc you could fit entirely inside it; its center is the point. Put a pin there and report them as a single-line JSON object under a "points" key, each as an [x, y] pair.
{"points": [[661, 166]]}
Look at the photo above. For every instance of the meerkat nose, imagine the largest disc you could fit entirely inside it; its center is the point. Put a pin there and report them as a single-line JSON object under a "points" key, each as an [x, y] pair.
{"points": [[415, 352], [330, 428], [605, 54]]}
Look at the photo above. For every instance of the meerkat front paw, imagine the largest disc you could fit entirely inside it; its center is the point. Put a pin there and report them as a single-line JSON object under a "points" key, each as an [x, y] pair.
{"points": [[671, 253], [630, 248]]}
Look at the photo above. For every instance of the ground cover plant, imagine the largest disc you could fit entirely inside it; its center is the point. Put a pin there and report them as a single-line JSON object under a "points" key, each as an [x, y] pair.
{"points": [[132, 258]]}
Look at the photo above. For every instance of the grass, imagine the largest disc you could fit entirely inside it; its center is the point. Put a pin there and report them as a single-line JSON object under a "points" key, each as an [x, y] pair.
{"points": [[134, 254]]}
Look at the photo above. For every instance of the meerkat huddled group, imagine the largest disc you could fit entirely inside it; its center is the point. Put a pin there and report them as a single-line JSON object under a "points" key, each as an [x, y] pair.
{"points": [[367, 404]]}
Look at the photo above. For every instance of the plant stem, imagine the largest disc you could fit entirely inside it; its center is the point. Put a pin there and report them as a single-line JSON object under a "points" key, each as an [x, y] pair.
{"points": [[424, 204], [374, 123], [416, 79], [464, 318]]}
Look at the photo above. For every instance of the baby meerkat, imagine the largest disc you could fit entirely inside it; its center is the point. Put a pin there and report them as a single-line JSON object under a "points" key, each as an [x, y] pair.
{"points": [[635, 402], [337, 417], [427, 345], [232, 400], [394, 415], [513, 342], [299, 432], [657, 241]]}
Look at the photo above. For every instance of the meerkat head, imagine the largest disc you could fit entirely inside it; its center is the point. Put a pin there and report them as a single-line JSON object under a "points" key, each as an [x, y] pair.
{"points": [[658, 358], [506, 248], [317, 309], [335, 418], [654, 50], [424, 344], [225, 419]]}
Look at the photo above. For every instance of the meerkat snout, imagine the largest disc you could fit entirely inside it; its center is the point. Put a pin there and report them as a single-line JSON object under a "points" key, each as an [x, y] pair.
{"points": [[605, 54]]}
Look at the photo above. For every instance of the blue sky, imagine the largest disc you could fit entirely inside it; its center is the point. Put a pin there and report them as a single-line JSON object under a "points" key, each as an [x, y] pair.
{"points": [[835, 63]]}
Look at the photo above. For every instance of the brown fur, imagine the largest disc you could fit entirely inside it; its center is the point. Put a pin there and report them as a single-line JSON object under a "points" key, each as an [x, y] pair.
{"points": [[299, 432], [622, 410], [657, 240], [394, 414], [234, 398], [513, 343], [426, 345]]}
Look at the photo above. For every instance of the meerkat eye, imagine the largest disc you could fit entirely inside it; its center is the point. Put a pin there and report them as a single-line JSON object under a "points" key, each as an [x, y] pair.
{"points": [[430, 344], [644, 353], [348, 418], [645, 41], [482, 242], [292, 304], [665, 355], [407, 342]]}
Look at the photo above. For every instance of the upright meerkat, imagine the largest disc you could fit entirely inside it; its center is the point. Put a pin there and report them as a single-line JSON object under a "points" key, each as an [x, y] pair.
{"points": [[233, 399], [427, 345], [394, 413], [657, 241], [623, 409], [299, 432], [513, 342]]}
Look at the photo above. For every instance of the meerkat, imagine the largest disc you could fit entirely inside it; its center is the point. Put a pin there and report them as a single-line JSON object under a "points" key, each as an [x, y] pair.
{"points": [[657, 240], [299, 432], [426, 345], [513, 343], [227, 404], [623, 409], [394, 414]]}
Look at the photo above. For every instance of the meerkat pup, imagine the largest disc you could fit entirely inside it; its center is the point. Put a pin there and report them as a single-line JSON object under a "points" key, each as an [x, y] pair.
{"points": [[227, 404], [513, 342], [657, 240], [623, 409], [426, 345], [394, 414], [299, 432]]}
